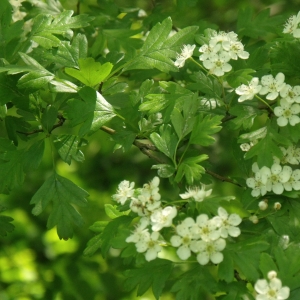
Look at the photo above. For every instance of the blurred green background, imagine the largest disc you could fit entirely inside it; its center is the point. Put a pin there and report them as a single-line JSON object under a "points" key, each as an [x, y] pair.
{"points": [[34, 263]]}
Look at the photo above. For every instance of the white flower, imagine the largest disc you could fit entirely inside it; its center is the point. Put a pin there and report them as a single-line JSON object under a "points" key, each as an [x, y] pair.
{"points": [[150, 245], [258, 184], [125, 190], [291, 26], [205, 229], [183, 239], [235, 50], [291, 94], [272, 86], [209, 251], [186, 52], [271, 290], [293, 182], [287, 113], [247, 92], [140, 232], [218, 63], [197, 193], [291, 155], [277, 176], [163, 217], [208, 51], [228, 223]]}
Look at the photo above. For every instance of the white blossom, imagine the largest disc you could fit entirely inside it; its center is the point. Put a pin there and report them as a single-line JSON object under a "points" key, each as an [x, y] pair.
{"points": [[291, 94], [205, 228], [247, 92], [293, 182], [186, 52], [140, 232], [228, 223], [183, 239], [149, 245], [125, 190], [197, 193], [218, 63], [277, 205], [209, 251], [163, 217], [272, 289], [287, 113], [272, 86], [236, 49], [292, 25]]}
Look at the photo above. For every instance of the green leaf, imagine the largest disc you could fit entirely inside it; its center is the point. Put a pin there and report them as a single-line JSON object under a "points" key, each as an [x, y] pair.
{"points": [[158, 102], [111, 231], [90, 73], [98, 226], [49, 117], [3, 111], [239, 77], [158, 49], [260, 25], [209, 86], [192, 284], [33, 156], [246, 255], [46, 26], [5, 224], [166, 141], [266, 148], [191, 169], [184, 123], [266, 264], [62, 193], [112, 211], [204, 127], [68, 54], [245, 116], [94, 111], [11, 166], [124, 139], [226, 268], [68, 148], [154, 273]]}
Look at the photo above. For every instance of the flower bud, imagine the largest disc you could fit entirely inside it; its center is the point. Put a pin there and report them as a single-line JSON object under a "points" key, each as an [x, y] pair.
{"points": [[272, 274], [263, 205], [254, 219], [277, 205]]}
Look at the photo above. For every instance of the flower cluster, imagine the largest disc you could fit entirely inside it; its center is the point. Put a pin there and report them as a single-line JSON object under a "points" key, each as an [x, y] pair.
{"points": [[221, 48], [292, 26], [271, 289], [276, 179], [274, 87], [186, 52], [205, 237], [145, 202]]}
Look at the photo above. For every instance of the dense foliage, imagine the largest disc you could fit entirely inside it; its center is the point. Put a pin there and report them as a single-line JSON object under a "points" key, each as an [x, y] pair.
{"points": [[203, 106]]}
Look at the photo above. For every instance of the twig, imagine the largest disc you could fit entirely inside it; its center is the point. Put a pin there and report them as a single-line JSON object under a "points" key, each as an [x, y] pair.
{"points": [[222, 178], [59, 124]]}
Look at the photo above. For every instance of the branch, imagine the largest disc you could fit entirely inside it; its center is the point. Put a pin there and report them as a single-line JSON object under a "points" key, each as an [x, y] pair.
{"points": [[146, 147], [59, 124]]}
